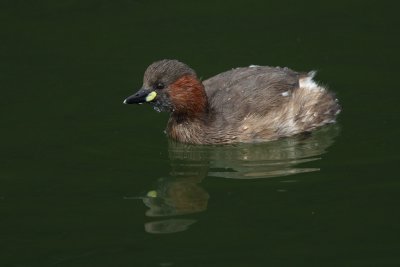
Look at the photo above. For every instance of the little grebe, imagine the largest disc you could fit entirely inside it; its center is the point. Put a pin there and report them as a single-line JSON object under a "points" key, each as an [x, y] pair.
{"points": [[256, 103]]}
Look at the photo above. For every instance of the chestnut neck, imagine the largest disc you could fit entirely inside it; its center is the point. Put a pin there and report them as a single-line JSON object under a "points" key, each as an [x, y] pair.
{"points": [[189, 99]]}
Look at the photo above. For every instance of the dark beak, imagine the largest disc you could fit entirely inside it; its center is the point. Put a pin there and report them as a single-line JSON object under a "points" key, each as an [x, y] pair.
{"points": [[141, 96]]}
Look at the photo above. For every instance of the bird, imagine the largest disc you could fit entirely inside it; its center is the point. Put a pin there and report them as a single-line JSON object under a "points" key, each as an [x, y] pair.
{"points": [[241, 105]]}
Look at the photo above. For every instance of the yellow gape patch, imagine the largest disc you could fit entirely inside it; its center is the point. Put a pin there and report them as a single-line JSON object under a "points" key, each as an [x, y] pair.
{"points": [[151, 96], [152, 193]]}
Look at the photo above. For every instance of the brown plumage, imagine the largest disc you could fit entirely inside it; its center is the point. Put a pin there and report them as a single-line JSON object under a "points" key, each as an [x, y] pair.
{"points": [[250, 104]]}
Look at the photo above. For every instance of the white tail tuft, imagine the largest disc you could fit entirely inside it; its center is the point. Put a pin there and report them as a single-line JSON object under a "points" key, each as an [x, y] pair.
{"points": [[308, 82]]}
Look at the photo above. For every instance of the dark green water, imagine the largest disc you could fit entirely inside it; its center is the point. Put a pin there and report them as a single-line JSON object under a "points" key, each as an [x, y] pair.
{"points": [[87, 181]]}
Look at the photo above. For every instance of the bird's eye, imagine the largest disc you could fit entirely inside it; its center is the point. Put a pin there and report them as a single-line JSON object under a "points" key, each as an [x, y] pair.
{"points": [[159, 85]]}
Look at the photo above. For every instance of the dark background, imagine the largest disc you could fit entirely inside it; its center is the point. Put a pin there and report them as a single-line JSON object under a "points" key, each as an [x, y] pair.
{"points": [[72, 156]]}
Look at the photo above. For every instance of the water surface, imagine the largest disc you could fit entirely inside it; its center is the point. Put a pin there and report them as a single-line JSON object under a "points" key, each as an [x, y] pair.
{"points": [[87, 181]]}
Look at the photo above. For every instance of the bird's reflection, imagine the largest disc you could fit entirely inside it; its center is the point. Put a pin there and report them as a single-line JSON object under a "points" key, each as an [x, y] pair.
{"points": [[181, 193]]}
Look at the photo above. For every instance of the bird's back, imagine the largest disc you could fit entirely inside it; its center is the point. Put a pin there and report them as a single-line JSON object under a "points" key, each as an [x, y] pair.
{"points": [[257, 89], [260, 102]]}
